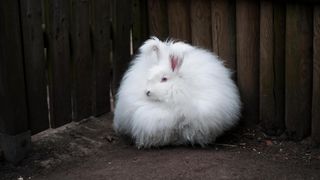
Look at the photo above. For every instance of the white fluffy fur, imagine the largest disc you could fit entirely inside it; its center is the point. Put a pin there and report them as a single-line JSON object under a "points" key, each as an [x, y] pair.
{"points": [[197, 103]]}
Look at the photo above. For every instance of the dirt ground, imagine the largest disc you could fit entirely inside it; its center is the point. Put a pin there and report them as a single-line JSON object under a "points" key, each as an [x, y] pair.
{"points": [[90, 150]]}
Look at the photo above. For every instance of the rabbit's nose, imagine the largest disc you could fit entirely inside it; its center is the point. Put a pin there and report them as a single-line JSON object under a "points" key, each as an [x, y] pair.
{"points": [[148, 93]]}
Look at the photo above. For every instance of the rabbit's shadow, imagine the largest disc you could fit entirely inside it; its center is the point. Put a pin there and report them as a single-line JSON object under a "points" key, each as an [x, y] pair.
{"points": [[228, 140]]}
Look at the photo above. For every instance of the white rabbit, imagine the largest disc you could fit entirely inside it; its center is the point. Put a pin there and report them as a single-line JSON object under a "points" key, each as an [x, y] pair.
{"points": [[175, 93]]}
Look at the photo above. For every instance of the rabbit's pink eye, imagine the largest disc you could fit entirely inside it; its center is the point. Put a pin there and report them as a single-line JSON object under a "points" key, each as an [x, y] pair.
{"points": [[164, 79]]}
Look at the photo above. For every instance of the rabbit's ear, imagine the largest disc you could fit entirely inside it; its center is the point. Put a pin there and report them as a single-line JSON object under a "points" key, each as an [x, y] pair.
{"points": [[151, 46], [175, 62]]}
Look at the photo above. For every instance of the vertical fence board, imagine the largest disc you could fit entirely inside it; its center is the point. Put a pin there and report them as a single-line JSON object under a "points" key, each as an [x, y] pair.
{"points": [[158, 18], [15, 137], [247, 21], [121, 32], [101, 55], [316, 77], [13, 105], [279, 22], [272, 34], [299, 35], [35, 65], [59, 62], [267, 101], [201, 23], [82, 60], [179, 19], [224, 31], [139, 23]]}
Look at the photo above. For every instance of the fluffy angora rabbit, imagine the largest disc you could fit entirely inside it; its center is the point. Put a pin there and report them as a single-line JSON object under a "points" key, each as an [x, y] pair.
{"points": [[173, 94]]}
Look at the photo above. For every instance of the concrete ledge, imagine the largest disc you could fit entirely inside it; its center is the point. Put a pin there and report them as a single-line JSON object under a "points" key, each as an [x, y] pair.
{"points": [[15, 147]]}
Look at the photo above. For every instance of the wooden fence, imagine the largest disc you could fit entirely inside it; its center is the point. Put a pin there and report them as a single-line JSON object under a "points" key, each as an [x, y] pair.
{"points": [[55, 65], [272, 46], [64, 58]]}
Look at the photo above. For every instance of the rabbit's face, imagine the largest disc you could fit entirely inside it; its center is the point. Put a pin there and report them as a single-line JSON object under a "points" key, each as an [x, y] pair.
{"points": [[159, 84], [163, 80]]}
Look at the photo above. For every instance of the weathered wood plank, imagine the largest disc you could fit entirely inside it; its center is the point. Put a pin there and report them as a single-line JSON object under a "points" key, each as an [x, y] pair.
{"points": [[82, 60], [201, 23], [122, 25], [101, 55], [248, 58], [158, 18], [15, 139], [224, 31], [316, 77], [13, 105], [272, 50], [299, 34], [59, 62], [35, 65], [279, 22], [140, 23], [179, 19], [267, 99]]}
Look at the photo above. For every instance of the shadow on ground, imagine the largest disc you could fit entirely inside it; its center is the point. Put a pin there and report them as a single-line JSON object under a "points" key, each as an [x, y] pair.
{"points": [[90, 150]]}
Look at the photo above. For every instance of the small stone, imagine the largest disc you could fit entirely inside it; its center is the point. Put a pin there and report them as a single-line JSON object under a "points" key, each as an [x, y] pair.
{"points": [[280, 150], [109, 138], [268, 143]]}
